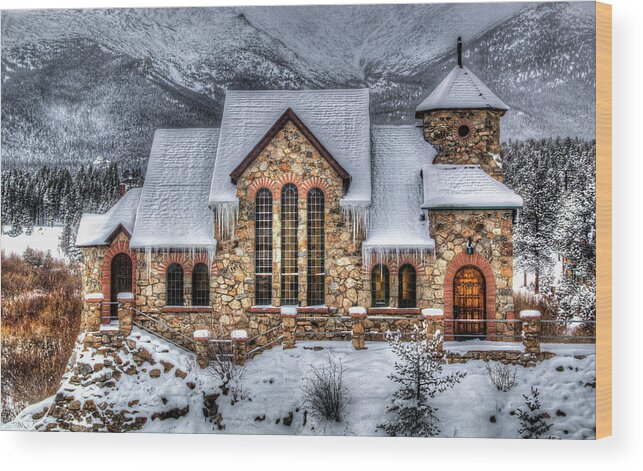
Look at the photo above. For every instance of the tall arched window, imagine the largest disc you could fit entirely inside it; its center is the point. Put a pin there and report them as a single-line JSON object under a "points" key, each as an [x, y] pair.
{"points": [[406, 285], [175, 285], [121, 281], [316, 260], [289, 225], [200, 285], [263, 247], [380, 286]]}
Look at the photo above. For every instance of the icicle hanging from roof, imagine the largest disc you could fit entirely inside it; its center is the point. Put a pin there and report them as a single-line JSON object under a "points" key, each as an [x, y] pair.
{"points": [[358, 217], [226, 216]]}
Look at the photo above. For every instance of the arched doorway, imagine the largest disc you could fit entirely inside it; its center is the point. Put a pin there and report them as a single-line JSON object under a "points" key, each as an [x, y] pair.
{"points": [[121, 281], [469, 301]]}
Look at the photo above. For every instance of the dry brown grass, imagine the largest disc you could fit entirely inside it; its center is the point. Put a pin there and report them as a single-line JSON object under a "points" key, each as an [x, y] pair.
{"points": [[41, 307], [552, 332]]}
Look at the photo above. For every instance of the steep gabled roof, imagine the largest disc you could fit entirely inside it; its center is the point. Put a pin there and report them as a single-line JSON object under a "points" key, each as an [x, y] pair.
{"points": [[99, 229], [338, 120], [289, 115], [173, 210], [399, 153], [461, 89], [465, 187]]}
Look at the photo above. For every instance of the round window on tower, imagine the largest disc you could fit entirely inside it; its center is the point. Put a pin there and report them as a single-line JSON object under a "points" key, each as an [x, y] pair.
{"points": [[463, 130]]}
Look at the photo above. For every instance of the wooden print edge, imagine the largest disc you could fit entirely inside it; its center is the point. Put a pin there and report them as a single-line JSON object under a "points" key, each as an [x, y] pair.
{"points": [[603, 220]]}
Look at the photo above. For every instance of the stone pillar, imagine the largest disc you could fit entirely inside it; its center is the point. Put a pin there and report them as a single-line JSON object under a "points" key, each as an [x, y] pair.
{"points": [[434, 325], [289, 326], [358, 316], [239, 346], [125, 314], [531, 331], [92, 312], [202, 339]]}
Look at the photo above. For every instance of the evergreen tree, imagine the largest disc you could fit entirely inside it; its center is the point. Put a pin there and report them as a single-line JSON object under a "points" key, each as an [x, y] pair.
{"points": [[418, 372], [533, 421]]}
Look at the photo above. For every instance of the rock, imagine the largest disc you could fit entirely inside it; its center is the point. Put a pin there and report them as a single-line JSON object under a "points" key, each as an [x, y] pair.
{"points": [[39, 415], [288, 419], [173, 413], [155, 373], [89, 405], [84, 369], [74, 405], [167, 366], [180, 373], [190, 385]]}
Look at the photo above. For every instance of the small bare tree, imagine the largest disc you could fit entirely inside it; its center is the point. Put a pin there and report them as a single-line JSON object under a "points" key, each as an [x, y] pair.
{"points": [[324, 394], [502, 376], [221, 366]]}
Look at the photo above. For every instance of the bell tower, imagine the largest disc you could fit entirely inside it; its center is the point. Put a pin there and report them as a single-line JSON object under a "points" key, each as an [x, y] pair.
{"points": [[461, 119]]}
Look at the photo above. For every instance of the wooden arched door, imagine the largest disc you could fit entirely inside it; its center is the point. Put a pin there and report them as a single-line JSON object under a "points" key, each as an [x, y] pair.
{"points": [[121, 280], [469, 304]]}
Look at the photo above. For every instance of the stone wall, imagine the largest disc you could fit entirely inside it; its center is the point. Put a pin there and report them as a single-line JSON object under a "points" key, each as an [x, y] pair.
{"points": [[478, 148], [288, 158], [491, 234]]}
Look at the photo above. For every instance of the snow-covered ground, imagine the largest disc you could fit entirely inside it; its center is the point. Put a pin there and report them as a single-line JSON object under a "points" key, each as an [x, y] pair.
{"points": [[43, 238], [273, 382]]}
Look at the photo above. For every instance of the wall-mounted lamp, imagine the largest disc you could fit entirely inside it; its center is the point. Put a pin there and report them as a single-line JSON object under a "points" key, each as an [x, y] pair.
{"points": [[470, 247]]}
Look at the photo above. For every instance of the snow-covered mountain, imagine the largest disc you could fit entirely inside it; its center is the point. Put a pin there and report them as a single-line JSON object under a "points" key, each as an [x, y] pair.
{"points": [[84, 84]]}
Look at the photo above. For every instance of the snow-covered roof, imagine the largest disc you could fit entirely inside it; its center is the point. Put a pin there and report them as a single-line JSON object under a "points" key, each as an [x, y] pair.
{"points": [[465, 187], [173, 211], [339, 119], [399, 153], [97, 229], [461, 89]]}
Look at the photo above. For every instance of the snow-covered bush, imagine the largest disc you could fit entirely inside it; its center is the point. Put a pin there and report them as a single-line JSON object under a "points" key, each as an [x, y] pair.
{"points": [[502, 376], [418, 372], [324, 394], [533, 421], [221, 366]]}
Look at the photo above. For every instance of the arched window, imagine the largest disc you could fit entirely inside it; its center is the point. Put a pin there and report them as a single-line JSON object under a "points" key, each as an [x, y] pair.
{"points": [[316, 260], [289, 225], [121, 281], [175, 285], [380, 286], [406, 285], [263, 247], [200, 285]]}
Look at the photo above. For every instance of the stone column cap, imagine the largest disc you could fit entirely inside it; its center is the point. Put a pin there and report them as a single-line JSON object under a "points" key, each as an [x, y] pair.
{"points": [[94, 297], [530, 314], [125, 296], [289, 311], [432, 312], [239, 335], [202, 335]]}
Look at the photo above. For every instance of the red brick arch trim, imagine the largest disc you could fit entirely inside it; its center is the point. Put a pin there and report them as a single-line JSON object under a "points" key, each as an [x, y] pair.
{"points": [[259, 183], [478, 261], [394, 263], [106, 270], [186, 261], [315, 182], [288, 178], [178, 258]]}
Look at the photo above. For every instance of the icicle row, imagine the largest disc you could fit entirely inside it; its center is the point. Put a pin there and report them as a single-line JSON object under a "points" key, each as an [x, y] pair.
{"points": [[358, 217], [226, 215]]}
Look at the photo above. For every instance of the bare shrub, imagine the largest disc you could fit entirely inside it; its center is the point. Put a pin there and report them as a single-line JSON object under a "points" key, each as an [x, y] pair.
{"points": [[324, 394], [41, 306], [221, 366], [502, 376]]}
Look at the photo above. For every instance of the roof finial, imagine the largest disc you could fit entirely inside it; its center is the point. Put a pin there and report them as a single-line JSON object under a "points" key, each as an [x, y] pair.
{"points": [[460, 51]]}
